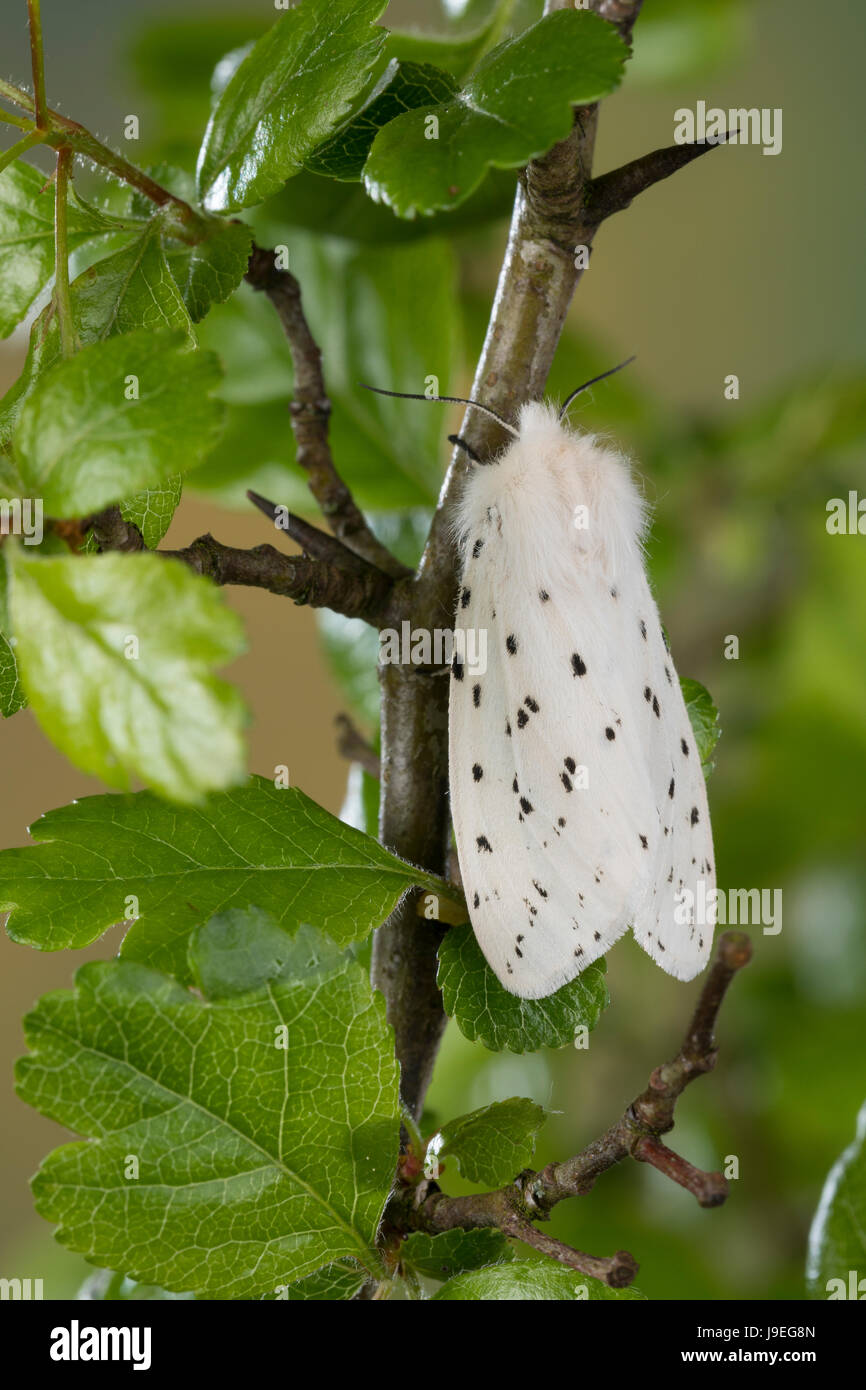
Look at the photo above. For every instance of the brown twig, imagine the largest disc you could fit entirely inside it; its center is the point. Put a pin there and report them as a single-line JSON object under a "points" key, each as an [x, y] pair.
{"points": [[617, 1270], [310, 410], [111, 532], [532, 1196], [356, 594], [333, 578]]}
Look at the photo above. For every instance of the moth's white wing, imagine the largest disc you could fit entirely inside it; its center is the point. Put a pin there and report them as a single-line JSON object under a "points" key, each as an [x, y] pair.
{"points": [[675, 921], [560, 766]]}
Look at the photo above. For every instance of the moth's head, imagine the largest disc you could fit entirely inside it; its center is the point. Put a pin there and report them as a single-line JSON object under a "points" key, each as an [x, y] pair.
{"points": [[538, 422]]}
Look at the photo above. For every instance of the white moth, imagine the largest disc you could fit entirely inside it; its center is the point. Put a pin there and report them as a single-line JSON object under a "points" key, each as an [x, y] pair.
{"points": [[577, 793]]}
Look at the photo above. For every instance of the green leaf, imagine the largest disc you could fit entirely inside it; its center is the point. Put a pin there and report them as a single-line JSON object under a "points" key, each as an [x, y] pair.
{"points": [[837, 1240], [243, 949], [211, 270], [516, 105], [401, 87], [526, 1281], [491, 1145], [256, 844], [452, 1252], [286, 97], [485, 1012], [704, 718], [336, 1282], [133, 288], [12, 697], [81, 442], [115, 654], [265, 1126], [152, 510], [27, 238]]}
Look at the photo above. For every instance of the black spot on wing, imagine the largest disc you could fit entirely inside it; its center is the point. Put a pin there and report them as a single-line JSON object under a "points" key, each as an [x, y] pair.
{"points": [[610, 733], [578, 665], [465, 597], [511, 644], [477, 771], [543, 595], [457, 669], [476, 695], [484, 844], [477, 548]]}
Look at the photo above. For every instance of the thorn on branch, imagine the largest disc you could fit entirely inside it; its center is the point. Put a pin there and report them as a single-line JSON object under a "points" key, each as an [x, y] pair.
{"points": [[314, 543], [612, 192], [310, 412]]}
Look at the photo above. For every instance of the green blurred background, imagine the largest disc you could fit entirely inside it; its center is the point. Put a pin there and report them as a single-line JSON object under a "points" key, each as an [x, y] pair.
{"points": [[741, 264]]}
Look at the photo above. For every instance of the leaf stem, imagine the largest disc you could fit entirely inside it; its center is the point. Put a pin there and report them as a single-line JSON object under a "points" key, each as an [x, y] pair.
{"points": [[34, 137], [34, 15], [20, 121], [17, 96], [62, 299], [60, 132]]}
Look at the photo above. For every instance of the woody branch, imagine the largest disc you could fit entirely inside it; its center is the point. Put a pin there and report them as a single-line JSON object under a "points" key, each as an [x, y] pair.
{"points": [[532, 1196]]}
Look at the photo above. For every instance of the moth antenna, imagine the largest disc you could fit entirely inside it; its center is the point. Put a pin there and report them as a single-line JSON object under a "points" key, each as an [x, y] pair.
{"points": [[451, 400], [586, 385]]}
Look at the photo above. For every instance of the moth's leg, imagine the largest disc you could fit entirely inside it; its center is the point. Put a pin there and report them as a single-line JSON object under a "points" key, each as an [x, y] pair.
{"points": [[467, 448]]}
